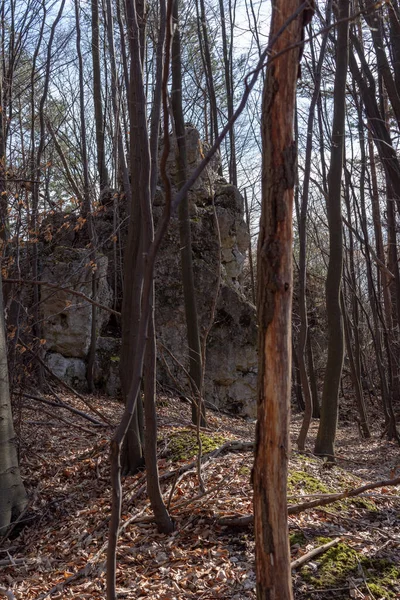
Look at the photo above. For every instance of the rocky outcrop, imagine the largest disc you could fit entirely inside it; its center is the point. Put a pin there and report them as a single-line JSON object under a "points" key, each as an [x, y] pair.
{"points": [[67, 318], [106, 368], [219, 254], [220, 242], [70, 370]]}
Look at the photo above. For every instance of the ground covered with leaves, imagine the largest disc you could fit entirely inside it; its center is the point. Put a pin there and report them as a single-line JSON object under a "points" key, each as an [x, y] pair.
{"points": [[61, 550]]}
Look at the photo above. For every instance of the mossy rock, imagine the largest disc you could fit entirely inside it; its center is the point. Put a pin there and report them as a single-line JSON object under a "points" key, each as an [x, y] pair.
{"points": [[182, 445], [341, 562]]}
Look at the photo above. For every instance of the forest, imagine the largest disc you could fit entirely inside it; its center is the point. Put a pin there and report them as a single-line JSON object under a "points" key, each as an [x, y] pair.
{"points": [[199, 299]]}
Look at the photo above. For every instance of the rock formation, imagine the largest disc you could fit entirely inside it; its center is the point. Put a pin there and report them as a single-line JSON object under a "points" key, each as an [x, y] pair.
{"points": [[219, 254]]}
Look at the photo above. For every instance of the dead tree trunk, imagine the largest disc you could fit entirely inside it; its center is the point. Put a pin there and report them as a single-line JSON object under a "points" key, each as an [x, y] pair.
{"points": [[274, 302]]}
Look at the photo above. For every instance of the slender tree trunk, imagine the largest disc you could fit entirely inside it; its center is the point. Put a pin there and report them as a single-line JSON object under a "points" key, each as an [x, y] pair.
{"points": [[313, 380], [325, 442], [12, 492], [394, 20], [353, 353], [303, 249], [209, 73], [367, 86], [373, 16], [86, 209], [132, 455], [251, 264], [115, 95], [97, 98], [227, 56], [161, 516], [297, 380], [192, 320], [37, 172], [363, 419], [386, 319], [274, 303]]}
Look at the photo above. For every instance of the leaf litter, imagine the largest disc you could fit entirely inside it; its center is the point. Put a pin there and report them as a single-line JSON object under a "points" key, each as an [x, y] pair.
{"points": [[61, 551]]}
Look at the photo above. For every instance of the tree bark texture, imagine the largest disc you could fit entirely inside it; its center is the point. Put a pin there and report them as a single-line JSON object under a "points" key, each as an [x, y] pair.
{"points": [[330, 395], [12, 492], [274, 302]]}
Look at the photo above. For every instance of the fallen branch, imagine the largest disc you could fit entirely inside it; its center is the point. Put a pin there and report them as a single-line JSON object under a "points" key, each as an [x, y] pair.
{"points": [[61, 404], [68, 423], [295, 509], [330, 498], [309, 555], [233, 446]]}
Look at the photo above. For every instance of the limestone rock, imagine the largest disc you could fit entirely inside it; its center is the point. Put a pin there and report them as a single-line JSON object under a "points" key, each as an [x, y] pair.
{"points": [[231, 358], [106, 367], [196, 149], [67, 319], [70, 370]]}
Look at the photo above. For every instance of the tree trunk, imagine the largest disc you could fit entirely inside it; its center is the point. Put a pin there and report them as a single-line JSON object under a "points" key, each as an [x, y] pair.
{"points": [[12, 492], [303, 334], [383, 280], [274, 303], [132, 455], [227, 56], [86, 208], [203, 39], [97, 99], [192, 321], [325, 442]]}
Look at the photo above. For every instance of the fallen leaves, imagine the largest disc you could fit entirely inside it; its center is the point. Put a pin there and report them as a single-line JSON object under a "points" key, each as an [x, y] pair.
{"points": [[62, 555]]}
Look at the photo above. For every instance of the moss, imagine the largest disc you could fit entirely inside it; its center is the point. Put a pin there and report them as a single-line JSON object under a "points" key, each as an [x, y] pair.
{"points": [[341, 562], [297, 538], [114, 358], [382, 576], [182, 445], [361, 503], [244, 470], [308, 484], [334, 566]]}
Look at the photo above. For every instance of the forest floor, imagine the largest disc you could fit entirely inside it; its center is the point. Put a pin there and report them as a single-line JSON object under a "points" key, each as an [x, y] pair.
{"points": [[61, 552]]}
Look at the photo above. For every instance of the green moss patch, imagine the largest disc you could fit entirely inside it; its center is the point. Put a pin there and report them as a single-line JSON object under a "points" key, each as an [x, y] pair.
{"points": [[297, 538], [301, 481], [341, 562], [363, 503], [182, 445], [244, 470]]}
